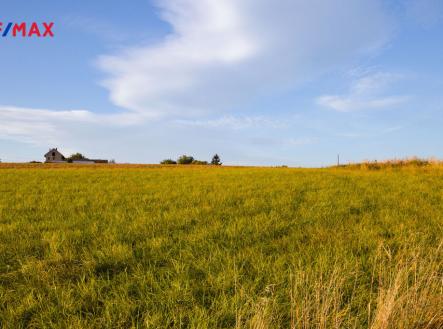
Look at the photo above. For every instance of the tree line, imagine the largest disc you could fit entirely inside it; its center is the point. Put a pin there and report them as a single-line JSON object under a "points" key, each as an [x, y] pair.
{"points": [[187, 160]]}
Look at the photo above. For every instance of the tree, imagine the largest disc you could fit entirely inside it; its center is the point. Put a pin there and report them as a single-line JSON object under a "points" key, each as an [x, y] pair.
{"points": [[216, 160], [185, 159], [77, 157], [168, 162]]}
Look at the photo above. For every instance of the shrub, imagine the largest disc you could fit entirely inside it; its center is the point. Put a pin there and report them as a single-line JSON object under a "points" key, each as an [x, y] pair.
{"points": [[185, 159], [168, 162], [198, 162], [76, 157]]}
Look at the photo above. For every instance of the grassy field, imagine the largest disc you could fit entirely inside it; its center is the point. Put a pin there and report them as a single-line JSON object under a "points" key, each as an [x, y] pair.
{"points": [[214, 247]]}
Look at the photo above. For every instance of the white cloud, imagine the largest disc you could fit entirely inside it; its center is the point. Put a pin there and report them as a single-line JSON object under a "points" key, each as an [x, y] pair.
{"points": [[43, 126], [366, 93], [223, 53]]}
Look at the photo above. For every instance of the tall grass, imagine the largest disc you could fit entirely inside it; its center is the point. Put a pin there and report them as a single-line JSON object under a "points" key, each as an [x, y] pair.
{"points": [[412, 162], [405, 292], [199, 247]]}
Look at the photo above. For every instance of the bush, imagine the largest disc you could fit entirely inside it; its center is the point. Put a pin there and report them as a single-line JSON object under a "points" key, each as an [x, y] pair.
{"points": [[77, 157], [168, 162], [198, 162], [185, 159]]}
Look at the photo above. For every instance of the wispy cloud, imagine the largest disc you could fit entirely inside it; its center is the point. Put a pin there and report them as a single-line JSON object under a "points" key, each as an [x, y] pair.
{"points": [[44, 126], [366, 93], [283, 142], [235, 122], [224, 53], [370, 134]]}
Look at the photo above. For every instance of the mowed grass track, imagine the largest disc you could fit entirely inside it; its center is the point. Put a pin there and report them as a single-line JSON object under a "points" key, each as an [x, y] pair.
{"points": [[214, 247]]}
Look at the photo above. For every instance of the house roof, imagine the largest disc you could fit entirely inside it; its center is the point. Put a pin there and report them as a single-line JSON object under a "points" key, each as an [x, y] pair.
{"points": [[53, 150]]}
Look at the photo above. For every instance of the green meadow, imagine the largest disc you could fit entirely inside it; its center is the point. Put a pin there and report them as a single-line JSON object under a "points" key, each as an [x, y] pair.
{"points": [[114, 246]]}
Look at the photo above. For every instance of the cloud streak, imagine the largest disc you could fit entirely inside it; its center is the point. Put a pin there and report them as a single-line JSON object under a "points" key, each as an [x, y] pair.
{"points": [[235, 122], [44, 126]]}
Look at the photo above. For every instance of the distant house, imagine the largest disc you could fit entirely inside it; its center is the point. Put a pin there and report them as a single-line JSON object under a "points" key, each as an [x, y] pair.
{"points": [[54, 156]]}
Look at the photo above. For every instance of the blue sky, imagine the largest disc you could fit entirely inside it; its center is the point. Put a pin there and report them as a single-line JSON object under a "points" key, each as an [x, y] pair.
{"points": [[259, 82]]}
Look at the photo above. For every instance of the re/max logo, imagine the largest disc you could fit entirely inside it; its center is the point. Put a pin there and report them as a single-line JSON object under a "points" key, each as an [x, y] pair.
{"points": [[27, 30]]}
